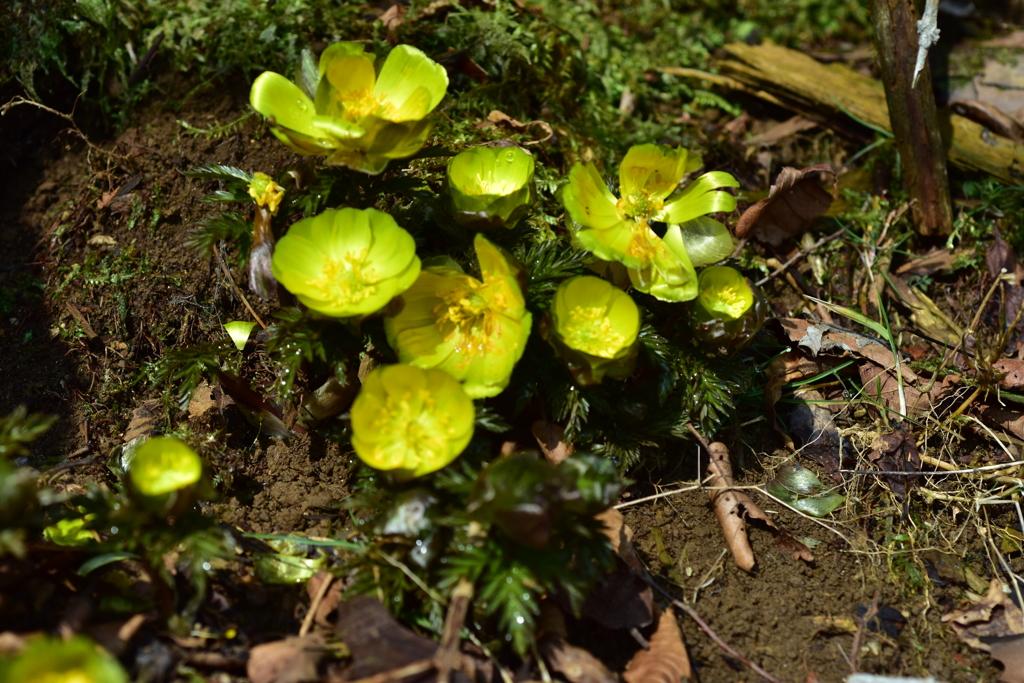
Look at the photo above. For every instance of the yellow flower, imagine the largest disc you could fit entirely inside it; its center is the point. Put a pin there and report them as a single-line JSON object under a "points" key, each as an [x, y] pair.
{"points": [[265, 192], [724, 291], [52, 660], [358, 118], [594, 327], [728, 310], [476, 330], [164, 465], [346, 262], [491, 187], [410, 420], [620, 229]]}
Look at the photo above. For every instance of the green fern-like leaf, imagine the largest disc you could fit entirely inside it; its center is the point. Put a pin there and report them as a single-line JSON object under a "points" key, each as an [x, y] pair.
{"points": [[228, 226]]}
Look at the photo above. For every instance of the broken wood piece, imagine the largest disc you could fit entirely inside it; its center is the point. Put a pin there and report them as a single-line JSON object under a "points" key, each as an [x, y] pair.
{"points": [[912, 115], [832, 92]]}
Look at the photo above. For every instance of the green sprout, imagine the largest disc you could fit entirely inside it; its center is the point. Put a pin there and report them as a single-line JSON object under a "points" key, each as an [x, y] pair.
{"points": [[476, 330], [268, 195], [239, 331], [491, 187], [728, 310], [346, 262], [411, 421], [593, 326], [620, 229], [356, 117], [51, 660]]}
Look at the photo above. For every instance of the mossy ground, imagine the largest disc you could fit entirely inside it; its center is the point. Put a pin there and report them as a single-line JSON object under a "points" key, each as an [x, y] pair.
{"points": [[98, 285]]}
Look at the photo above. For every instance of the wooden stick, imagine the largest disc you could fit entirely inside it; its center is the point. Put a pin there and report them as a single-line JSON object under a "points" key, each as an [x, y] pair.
{"points": [[912, 115]]}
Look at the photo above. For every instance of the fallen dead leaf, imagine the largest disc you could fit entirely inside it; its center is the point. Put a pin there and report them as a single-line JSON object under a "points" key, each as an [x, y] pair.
{"points": [[1010, 651], [292, 660], [1000, 256], [376, 641], [145, 419], [551, 438], [503, 120], [623, 599], [897, 452], [780, 131], [877, 370], [814, 426], [1010, 420], [666, 661], [928, 263], [575, 664], [796, 199], [994, 616], [1014, 369], [329, 603], [733, 508]]}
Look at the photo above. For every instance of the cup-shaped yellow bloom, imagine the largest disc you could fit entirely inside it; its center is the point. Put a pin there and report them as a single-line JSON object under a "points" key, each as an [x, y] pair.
{"points": [[411, 421], [357, 117], [491, 187], [265, 192], [728, 310], [52, 660], [594, 325], [619, 229], [346, 262], [164, 465], [475, 330]]}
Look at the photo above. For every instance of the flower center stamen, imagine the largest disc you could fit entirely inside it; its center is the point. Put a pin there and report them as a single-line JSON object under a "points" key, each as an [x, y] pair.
{"points": [[345, 281], [640, 205], [589, 330], [468, 319], [404, 431], [362, 103]]}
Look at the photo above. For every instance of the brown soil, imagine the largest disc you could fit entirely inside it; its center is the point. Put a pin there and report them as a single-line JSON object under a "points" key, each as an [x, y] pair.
{"points": [[80, 348]]}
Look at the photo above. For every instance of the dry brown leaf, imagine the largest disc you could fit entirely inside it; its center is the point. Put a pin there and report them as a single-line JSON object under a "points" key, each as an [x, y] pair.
{"points": [[1014, 369], [575, 664], [503, 120], [995, 616], [928, 263], [623, 599], [1000, 256], [324, 617], [666, 661], [796, 199], [878, 370], [292, 660], [551, 438], [1010, 651], [1010, 420], [896, 452], [780, 131], [377, 642], [733, 509], [782, 370], [145, 418]]}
